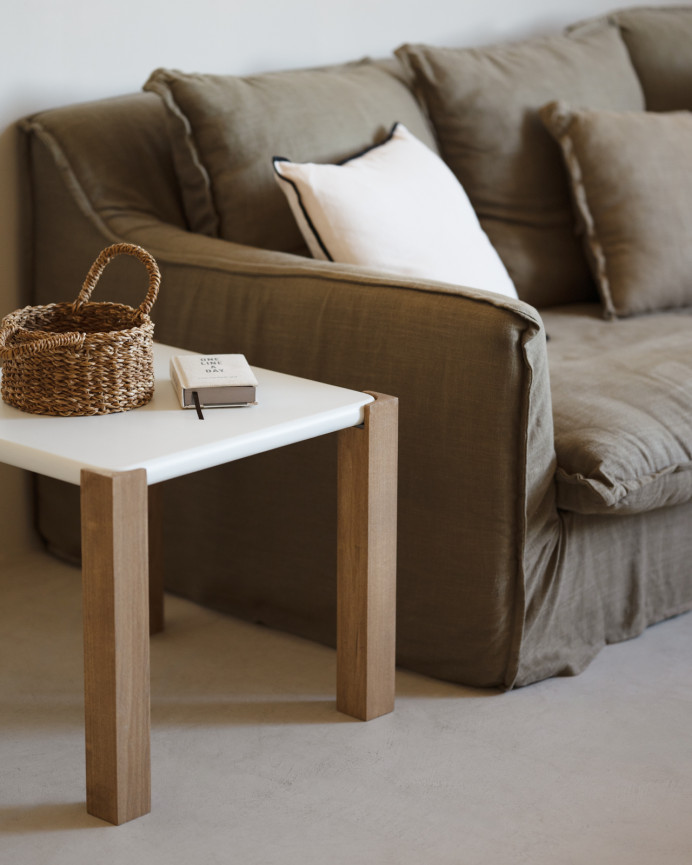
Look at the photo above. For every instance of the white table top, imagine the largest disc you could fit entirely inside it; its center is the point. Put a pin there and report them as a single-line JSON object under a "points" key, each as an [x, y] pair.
{"points": [[168, 441]]}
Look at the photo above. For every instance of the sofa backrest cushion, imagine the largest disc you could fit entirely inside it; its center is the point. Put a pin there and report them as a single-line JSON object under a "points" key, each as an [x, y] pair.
{"points": [[632, 182], [658, 40], [113, 155], [225, 130], [483, 103]]}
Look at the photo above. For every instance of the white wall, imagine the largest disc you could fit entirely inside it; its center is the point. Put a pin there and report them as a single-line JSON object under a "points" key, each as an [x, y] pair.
{"points": [[54, 52]]}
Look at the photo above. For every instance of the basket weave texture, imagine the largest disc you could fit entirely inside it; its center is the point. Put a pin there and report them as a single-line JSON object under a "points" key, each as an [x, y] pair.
{"points": [[82, 358]]}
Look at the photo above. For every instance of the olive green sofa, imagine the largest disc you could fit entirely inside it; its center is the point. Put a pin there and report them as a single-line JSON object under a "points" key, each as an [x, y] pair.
{"points": [[545, 443]]}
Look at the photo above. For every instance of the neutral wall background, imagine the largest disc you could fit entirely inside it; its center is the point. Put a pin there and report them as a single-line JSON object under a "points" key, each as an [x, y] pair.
{"points": [[54, 52]]}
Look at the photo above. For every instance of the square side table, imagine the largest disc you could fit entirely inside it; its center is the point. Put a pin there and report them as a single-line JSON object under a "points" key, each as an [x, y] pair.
{"points": [[120, 459]]}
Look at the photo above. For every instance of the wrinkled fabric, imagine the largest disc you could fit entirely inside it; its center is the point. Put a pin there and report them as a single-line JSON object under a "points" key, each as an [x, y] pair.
{"points": [[622, 410], [483, 103]]}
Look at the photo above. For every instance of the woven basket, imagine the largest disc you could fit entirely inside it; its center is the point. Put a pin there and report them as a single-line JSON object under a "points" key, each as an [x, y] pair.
{"points": [[81, 358]]}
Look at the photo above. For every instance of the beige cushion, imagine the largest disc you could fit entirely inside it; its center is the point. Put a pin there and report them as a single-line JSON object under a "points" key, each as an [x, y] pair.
{"points": [[484, 104], [622, 404], [631, 175], [226, 129], [658, 41], [396, 207]]}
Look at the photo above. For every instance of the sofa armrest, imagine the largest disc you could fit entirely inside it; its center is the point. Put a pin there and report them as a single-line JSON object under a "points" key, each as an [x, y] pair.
{"points": [[477, 509], [477, 514]]}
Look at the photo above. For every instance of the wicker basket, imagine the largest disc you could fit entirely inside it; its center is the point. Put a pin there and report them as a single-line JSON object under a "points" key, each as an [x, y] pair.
{"points": [[81, 358]]}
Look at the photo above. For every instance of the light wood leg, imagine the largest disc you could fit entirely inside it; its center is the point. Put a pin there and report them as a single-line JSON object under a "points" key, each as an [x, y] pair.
{"points": [[116, 644], [366, 562], [156, 602]]}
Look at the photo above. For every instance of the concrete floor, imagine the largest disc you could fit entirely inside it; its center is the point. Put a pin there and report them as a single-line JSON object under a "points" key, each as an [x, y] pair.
{"points": [[252, 764]]}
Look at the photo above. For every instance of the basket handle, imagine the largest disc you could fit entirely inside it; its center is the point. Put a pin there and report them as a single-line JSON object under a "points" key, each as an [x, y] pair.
{"points": [[36, 346], [109, 253]]}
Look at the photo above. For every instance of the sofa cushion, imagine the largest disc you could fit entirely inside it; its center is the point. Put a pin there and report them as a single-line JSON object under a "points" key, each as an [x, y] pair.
{"points": [[658, 41], [396, 206], [622, 409], [632, 182], [226, 129], [483, 103]]}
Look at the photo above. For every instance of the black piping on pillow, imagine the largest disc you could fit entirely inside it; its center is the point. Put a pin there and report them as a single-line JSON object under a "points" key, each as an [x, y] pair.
{"points": [[309, 221]]}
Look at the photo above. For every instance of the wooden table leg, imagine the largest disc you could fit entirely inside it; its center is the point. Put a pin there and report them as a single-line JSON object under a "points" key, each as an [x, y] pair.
{"points": [[156, 601], [366, 562], [116, 643]]}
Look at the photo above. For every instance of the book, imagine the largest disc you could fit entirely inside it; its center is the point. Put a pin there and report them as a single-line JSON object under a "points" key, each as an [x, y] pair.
{"points": [[218, 380]]}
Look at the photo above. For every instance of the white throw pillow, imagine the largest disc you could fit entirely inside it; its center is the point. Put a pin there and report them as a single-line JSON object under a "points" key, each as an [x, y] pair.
{"points": [[397, 207]]}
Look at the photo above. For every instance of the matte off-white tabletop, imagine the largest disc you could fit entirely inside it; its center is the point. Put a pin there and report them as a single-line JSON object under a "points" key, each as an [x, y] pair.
{"points": [[168, 441]]}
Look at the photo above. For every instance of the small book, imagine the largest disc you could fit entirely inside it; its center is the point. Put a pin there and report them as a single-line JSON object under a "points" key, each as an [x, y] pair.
{"points": [[219, 380]]}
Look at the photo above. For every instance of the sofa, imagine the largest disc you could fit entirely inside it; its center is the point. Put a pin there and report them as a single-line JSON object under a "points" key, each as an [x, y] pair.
{"points": [[545, 491]]}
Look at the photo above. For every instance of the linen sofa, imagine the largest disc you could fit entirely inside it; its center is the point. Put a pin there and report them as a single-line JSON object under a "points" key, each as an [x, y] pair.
{"points": [[545, 441]]}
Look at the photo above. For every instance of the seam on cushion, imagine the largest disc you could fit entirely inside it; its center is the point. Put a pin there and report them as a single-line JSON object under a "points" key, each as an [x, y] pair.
{"points": [[628, 485], [33, 127], [418, 68], [580, 480], [200, 194], [581, 200]]}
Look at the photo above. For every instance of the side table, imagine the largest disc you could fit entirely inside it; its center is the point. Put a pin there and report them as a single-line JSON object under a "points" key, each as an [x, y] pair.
{"points": [[120, 459]]}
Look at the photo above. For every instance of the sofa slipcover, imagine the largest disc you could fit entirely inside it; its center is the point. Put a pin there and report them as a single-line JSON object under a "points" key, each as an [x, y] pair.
{"points": [[499, 584]]}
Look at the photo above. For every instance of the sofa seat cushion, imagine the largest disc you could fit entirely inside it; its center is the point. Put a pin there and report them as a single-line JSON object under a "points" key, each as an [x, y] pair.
{"points": [[622, 409]]}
